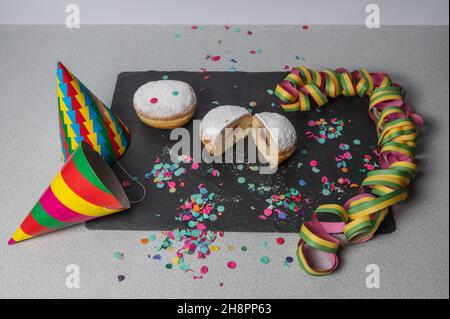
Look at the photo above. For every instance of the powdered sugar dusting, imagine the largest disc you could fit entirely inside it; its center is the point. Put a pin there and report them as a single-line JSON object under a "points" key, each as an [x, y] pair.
{"points": [[218, 119], [278, 124], [164, 99]]}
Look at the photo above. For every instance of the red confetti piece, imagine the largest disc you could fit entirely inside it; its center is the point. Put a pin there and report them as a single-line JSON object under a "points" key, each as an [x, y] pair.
{"points": [[153, 100], [280, 240], [126, 183]]}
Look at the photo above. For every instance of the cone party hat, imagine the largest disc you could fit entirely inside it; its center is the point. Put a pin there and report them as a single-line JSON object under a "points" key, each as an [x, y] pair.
{"points": [[83, 117], [84, 189]]}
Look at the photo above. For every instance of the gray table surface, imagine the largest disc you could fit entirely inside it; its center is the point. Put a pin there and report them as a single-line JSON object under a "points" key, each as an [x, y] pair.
{"points": [[414, 261]]}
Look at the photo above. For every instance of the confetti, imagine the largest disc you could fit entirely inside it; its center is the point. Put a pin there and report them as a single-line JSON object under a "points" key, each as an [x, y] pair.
{"points": [[325, 130], [264, 260], [282, 204], [118, 256], [126, 183], [195, 237], [157, 257], [231, 265], [163, 174], [204, 270]]}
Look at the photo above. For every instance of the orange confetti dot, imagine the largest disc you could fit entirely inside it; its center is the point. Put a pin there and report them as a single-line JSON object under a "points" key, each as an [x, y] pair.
{"points": [[144, 241]]}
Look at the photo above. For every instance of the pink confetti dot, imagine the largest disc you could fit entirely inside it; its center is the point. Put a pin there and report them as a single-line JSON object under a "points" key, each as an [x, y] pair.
{"points": [[280, 240], [268, 212], [153, 100], [311, 123], [195, 165], [313, 163], [215, 58], [171, 184], [231, 264], [204, 270], [252, 52]]}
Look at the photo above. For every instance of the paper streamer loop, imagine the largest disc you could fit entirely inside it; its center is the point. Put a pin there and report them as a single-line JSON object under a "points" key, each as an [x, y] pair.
{"points": [[397, 129]]}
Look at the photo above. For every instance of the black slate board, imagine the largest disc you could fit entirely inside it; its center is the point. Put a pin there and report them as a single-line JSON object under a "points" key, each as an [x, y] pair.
{"points": [[158, 210]]}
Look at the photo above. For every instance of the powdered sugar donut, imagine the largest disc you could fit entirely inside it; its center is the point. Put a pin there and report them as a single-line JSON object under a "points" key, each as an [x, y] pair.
{"points": [[273, 129], [213, 129], [165, 104]]}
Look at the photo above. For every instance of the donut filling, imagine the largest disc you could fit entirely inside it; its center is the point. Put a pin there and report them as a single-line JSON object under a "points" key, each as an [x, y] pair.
{"points": [[230, 135]]}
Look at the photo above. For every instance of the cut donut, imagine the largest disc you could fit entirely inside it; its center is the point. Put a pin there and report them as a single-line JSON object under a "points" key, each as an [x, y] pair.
{"points": [[275, 137], [223, 126]]}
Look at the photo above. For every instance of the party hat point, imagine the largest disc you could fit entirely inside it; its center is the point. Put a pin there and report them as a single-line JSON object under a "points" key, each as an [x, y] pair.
{"points": [[11, 242]]}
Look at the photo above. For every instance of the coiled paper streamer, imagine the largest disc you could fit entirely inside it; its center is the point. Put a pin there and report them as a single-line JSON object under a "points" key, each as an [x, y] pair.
{"points": [[397, 129]]}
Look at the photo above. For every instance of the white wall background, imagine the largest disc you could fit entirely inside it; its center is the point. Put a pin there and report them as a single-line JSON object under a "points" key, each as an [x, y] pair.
{"points": [[330, 12]]}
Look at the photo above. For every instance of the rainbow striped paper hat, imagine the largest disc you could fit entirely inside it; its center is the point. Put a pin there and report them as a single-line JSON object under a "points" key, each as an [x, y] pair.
{"points": [[83, 117], [84, 189]]}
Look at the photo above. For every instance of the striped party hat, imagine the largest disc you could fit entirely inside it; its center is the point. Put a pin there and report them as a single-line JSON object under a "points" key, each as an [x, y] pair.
{"points": [[83, 117], [84, 189]]}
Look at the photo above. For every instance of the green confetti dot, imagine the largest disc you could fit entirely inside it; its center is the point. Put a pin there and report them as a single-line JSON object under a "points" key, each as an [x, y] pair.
{"points": [[118, 256], [265, 260], [184, 266], [241, 180], [356, 142], [244, 248], [220, 208], [165, 77], [169, 266], [175, 93]]}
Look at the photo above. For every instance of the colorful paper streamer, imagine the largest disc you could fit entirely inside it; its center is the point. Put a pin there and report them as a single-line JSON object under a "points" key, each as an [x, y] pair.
{"points": [[84, 189], [83, 117], [397, 131]]}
